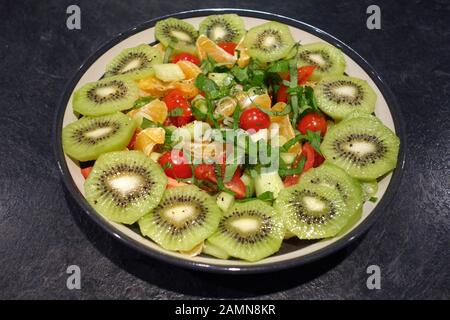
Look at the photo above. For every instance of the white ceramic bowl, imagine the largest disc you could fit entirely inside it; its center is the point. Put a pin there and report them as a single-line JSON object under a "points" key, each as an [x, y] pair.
{"points": [[293, 252]]}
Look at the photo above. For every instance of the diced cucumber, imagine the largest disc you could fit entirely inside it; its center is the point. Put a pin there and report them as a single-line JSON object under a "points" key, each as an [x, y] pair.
{"points": [[197, 130], [155, 156], [212, 250], [168, 72], [268, 181], [288, 158], [249, 184], [221, 79], [225, 201]]}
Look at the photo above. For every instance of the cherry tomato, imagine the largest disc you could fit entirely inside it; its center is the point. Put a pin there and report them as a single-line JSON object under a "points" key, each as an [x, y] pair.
{"points": [[255, 119], [304, 73], [313, 159], [229, 47], [184, 56], [291, 180], [132, 141], [309, 153], [85, 171], [237, 186], [205, 172], [175, 99], [313, 122], [175, 165], [282, 95]]}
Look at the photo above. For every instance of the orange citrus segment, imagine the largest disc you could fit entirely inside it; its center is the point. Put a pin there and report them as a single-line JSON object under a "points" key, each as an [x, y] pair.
{"points": [[206, 47], [148, 138], [246, 101], [155, 87], [187, 87], [286, 129], [244, 58], [190, 70], [155, 111]]}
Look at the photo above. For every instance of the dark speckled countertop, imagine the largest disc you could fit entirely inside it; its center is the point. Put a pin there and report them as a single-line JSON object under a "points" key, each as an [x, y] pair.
{"points": [[42, 230]]}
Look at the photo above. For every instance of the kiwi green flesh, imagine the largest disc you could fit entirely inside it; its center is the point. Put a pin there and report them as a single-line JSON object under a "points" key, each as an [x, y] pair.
{"points": [[89, 137], [125, 185], [334, 177], [177, 34], [312, 211], [327, 59], [338, 96], [185, 217], [269, 42], [364, 148], [250, 231], [214, 251], [105, 96], [134, 63], [223, 28]]}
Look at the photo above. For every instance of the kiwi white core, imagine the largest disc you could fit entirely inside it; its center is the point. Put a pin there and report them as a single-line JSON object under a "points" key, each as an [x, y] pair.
{"points": [[99, 132], [346, 91], [317, 58], [106, 91], [218, 32], [133, 64], [179, 213], [270, 41], [360, 147], [125, 184], [246, 225], [314, 204], [181, 35]]}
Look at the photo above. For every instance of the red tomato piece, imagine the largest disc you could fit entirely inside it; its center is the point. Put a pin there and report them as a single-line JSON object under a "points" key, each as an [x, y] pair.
{"points": [[255, 119], [304, 73], [229, 47], [282, 95], [313, 122], [175, 165], [184, 56], [175, 99], [85, 171]]}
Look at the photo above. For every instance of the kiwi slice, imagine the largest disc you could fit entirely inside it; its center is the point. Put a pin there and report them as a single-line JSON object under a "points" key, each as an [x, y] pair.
{"points": [[328, 59], [338, 96], [369, 188], [134, 63], [250, 231], [223, 28], [269, 41], [105, 96], [177, 34], [87, 138], [364, 148], [185, 217], [125, 185], [334, 177], [312, 211]]}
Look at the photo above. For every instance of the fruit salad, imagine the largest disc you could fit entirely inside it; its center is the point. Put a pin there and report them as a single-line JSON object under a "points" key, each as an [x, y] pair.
{"points": [[222, 141]]}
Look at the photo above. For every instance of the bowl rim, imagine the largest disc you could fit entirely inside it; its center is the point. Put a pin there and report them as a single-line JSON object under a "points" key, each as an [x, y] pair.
{"points": [[247, 269]]}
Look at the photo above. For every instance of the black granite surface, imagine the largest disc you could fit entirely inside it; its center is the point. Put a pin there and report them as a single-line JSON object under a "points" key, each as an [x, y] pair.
{"points": [[42, 230]]}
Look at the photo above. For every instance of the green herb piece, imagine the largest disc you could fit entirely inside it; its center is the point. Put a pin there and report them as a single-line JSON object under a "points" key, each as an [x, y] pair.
{"points": [[148, 124], [176, 112], [279, 66], [373, 199], [314, 139], [167, 54], [142, 101]]}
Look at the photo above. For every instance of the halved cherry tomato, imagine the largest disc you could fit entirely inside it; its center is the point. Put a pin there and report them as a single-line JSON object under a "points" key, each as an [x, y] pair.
{"points": [[175, 99], [85, 171], [313, 159], [207, 172], [175, 164], [282, 95], [304, 73], [255, 119], [132, 141], [313, 122], [229, 47], [184, 56]]}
